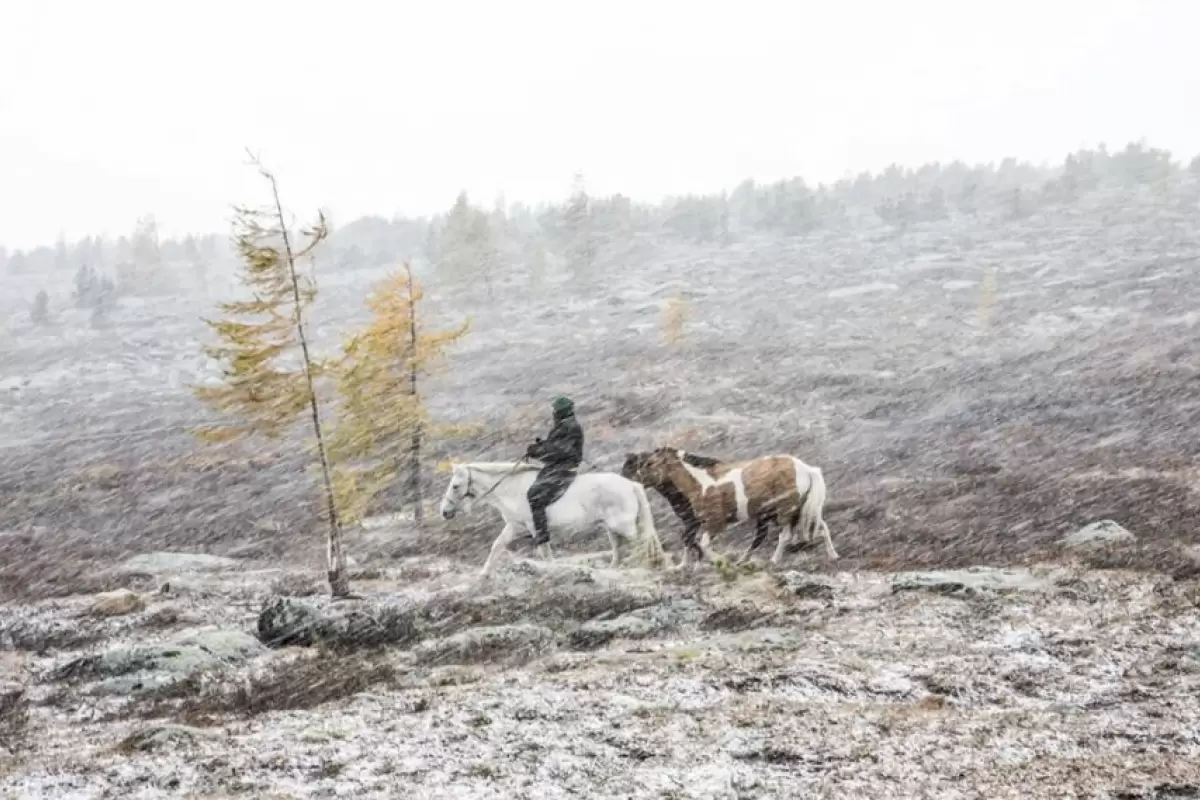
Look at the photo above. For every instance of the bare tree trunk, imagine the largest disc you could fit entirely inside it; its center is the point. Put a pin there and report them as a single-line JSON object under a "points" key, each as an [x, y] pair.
{"points": [[415, 446], [339, 583]]}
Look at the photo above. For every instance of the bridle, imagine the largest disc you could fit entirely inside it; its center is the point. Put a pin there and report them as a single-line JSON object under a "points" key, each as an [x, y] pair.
{"points": [[469, 494]]}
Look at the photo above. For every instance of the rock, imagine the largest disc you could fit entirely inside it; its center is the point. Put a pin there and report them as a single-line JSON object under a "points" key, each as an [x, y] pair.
{"points": [[157, 736], [511, 643], [143, 667], [1189, 563], [168, 616], [972, 581], [1098, 534], [178, 562], [808, 587], [591, 635], [284, 622], [740, 617], [117, 603], [638, 624], [227, 644], [49, 634]]}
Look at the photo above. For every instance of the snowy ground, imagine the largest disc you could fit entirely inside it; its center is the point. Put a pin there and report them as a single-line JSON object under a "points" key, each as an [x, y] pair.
{"points": [[1065, 682]]}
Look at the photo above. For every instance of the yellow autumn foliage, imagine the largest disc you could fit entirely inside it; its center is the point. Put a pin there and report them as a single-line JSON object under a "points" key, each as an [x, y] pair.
{"points": [[674, 317], [382, 420], [269, 377], [263, 395]]}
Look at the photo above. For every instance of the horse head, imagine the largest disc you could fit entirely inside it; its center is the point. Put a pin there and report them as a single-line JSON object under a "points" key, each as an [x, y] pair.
{"points": [[460, 489], [631, 469], [650, 469]]}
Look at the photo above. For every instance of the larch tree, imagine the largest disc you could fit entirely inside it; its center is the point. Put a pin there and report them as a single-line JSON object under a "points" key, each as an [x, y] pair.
{"points": [[674, 319], [382, 421], [259, 336]]}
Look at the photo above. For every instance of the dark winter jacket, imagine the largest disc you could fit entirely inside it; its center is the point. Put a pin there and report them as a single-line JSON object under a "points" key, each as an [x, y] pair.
{"points": [[563, 447]]}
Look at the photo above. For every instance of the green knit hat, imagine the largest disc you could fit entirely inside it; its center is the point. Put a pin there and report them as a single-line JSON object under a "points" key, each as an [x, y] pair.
{"points": [[563, 406]]}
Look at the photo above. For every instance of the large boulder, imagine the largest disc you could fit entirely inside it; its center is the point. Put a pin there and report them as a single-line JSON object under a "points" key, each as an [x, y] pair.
{"points": [[117, 603], [284, 622], [137, 668], [558, 598], [973, 581], [1096, 535]]}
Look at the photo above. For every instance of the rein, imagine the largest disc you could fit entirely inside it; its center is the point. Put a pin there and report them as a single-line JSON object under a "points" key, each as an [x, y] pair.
{"points": [[468, 494], [496, 485]]}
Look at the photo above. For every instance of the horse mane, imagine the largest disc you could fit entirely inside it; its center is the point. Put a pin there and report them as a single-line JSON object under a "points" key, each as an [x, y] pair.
{"points": [[703, 462], [500, 467]]}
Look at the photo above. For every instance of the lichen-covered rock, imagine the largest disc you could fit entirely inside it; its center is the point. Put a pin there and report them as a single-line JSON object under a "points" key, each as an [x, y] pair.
{"points": [[598, 633], [498, 643], [739, 617], [285, 622], [638, 624], [1097, 534], [227, 644], [805, 586], [125, 670], [971, 581]]}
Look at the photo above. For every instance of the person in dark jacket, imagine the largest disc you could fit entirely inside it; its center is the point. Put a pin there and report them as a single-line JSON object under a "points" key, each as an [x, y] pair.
{"points": [[561, 453]]}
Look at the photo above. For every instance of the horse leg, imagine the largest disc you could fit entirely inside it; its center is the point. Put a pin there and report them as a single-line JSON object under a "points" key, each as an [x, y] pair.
{"points": [[498, 546], [830, 553], [616, 549], [785, 538], [690, 547], [706, 545], [760, 534], [809, 535]]}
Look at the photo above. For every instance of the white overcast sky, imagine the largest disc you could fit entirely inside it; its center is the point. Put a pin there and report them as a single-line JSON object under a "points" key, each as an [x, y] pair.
{"points": [[113, 108]]}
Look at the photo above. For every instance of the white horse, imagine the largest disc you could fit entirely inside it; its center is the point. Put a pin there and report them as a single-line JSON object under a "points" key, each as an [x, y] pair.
{"points": [[619, 504]]}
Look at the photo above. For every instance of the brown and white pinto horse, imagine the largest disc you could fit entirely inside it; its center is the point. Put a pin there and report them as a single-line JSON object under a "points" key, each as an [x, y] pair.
{"points": [[710, 493]]}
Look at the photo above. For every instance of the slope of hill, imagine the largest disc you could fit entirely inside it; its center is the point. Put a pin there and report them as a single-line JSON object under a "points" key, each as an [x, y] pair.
{"points": [[944, 440]]}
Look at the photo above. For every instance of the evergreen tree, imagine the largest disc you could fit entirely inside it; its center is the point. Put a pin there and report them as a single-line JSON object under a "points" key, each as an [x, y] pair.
{"points": [[41, 308], [464, 247], [577, 224]]}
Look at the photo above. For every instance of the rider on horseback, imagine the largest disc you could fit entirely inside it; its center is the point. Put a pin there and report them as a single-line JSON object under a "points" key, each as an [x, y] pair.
{"points": [[561, 453]]}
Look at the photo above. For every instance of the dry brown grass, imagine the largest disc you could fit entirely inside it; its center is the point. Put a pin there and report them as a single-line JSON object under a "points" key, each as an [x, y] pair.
{"points": [[304, 682], [14, 719]]}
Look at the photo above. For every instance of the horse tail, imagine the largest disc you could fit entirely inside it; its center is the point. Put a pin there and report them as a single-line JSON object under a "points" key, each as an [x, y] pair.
{"points": [[812, 507], [650, 549]]}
